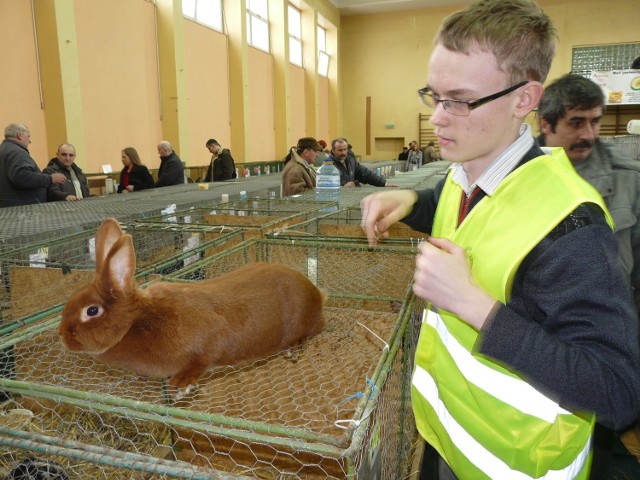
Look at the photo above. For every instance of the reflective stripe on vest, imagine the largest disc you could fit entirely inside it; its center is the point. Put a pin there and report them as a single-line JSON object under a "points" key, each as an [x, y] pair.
{"points": [[512, 391], [483, 419]]}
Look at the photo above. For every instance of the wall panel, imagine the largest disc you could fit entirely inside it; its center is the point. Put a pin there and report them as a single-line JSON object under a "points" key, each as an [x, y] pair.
{"points": [[19, 90], [119, 80], [207, 90]]}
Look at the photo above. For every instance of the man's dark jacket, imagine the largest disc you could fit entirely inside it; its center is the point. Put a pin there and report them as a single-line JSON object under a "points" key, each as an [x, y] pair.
{"points": [[56, 193], [21, 181], [352, 171], [171, 171], [222, 168]]}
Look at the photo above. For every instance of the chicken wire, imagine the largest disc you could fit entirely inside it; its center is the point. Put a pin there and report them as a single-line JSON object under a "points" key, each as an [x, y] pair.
{"points": [[255, 216], [56, 268], [28, 224], [341, 411], [424, 177], [344, 226]]}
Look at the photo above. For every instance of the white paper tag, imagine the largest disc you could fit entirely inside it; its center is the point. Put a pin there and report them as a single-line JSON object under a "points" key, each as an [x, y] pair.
{"points": [[39, 258], [192, 242], [92, 248]]}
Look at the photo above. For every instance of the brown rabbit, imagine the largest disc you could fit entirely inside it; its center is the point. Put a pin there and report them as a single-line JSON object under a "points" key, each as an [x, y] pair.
{"points": [[178, 330]]}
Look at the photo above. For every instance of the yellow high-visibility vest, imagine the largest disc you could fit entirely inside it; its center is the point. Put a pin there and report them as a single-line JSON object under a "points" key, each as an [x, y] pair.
{"points": [[484, 420]]}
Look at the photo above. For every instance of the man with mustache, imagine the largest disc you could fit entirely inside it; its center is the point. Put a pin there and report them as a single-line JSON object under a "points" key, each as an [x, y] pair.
{"points": [[570, 113]]}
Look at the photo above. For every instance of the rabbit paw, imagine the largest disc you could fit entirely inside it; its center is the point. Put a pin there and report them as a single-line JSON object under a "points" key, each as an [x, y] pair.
{"points": [[183, 392], [291, 354]]}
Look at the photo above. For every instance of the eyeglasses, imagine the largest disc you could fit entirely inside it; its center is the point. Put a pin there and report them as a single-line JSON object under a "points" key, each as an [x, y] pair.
{"points": [[462, 108]]}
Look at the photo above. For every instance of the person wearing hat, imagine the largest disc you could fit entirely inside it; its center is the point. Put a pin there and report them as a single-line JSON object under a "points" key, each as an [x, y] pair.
{"points": [[298, 175], [222, 166]]}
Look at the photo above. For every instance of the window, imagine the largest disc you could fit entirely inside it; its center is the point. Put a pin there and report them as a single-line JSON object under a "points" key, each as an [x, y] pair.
{"points": [[323, 56], [618, 56], [258, 24], [206, 12], [295, 36]]}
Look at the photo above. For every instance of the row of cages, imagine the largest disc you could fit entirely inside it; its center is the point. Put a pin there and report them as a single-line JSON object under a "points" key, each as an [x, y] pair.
{"points": [[169, 242], [341, 409], [54, 268]]}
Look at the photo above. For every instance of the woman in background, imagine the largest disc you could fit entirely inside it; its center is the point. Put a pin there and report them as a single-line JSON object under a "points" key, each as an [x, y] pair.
{"points": [[134, 176]]}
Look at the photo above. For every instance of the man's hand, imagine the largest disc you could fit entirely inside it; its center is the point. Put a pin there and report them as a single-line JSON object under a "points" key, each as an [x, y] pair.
{"points": [[71, 198], [58, 179], [383, 209], [443, 277]]}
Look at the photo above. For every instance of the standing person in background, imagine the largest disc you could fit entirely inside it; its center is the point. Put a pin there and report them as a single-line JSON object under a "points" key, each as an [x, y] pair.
{"points": [[529, 333], [569, 116], [21, 181], [134, 176], [402, 159], [414, 158], [76, 187], [171, 171], [298, 174], [322, 154], [352, 173], [222, 167], [429, 154]]}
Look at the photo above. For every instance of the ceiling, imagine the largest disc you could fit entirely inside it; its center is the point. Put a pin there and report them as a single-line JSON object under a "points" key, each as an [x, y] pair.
{"points": [[367, 7]]}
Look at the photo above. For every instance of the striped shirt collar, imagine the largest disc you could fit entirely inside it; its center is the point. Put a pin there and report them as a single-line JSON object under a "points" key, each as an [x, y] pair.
{"points": [[504, 163]]}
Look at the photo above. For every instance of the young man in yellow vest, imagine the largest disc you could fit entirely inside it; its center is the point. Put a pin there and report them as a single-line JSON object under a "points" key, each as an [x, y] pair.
{"points": [[530, 333]]}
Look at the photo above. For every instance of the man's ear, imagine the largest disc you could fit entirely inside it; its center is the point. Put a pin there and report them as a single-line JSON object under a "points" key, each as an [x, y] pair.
{"points": [[545, 127], [529, 98]]}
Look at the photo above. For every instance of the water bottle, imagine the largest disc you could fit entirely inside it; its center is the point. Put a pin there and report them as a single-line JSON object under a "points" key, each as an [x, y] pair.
{"points": [[328, 185]]}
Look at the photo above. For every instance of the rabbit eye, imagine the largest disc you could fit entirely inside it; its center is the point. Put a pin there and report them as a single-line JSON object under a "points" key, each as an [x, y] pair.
{"points": [[90, 312]]}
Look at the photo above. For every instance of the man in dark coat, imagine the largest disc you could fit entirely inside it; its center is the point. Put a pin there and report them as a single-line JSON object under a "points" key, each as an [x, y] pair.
{"points": [[21, 181], [171, 171], [352, 173], [222, 166], [76, 187]]}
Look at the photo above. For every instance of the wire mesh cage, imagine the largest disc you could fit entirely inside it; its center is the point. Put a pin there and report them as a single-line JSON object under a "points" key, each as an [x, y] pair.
{"points": [[43, 275], [344, 226], [342, 410], [255, 216]]}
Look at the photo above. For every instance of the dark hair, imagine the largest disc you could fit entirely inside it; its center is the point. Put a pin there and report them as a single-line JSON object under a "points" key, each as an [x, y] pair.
{"points": [[339, 140], [133, 155], [212, 141], [569, 92], [636, 64]]}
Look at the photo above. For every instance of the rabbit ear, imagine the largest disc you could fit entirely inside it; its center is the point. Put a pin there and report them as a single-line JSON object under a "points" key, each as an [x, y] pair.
{"points": [[117, 273], [107, 234]]}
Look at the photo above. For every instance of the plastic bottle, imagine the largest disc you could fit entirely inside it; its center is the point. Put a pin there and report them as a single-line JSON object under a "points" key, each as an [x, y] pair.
{"points": [[328, 185]]}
